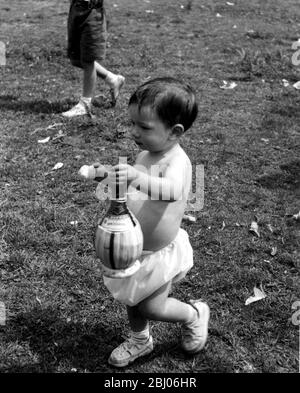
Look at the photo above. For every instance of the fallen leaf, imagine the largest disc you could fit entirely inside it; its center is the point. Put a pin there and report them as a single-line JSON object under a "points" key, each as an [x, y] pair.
{"points": [[226, 85], [273, 251], [297, 85], [254, 228], [57, 166], [44, 140], [189, 218], [227, 2], [296, 216], [75, 223], [258, 295], [285, 83]]}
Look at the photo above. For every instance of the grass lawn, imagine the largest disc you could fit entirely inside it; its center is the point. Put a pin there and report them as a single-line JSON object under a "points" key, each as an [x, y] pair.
{"points": [[59, 316]]}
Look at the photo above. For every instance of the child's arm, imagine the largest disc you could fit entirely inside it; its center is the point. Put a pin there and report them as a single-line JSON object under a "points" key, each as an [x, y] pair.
{"points": [[167, 186], [96, 172]]}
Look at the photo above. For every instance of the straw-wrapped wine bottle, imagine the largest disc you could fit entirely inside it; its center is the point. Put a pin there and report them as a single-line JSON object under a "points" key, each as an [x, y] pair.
{"points": [[118, 238]]}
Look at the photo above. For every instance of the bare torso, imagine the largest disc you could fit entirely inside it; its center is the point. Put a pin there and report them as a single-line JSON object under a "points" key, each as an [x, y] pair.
{"points": [[160, 219]]}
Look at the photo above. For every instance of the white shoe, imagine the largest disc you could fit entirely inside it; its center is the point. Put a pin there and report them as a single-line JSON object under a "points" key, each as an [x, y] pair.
{"points": [[130, 350], [194, 334], [80, 109], [116, 85]]}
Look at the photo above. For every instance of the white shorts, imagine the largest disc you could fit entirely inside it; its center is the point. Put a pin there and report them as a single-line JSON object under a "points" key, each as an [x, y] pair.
{"points": [[171, 263]]}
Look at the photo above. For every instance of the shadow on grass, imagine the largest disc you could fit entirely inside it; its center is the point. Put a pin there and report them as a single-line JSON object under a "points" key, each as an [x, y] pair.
{"points": [[10, 102], [56, 345], [41, 341], [288, 177]]}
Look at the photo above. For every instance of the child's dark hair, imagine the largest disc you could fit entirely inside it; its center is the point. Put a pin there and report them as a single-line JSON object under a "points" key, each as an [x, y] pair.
{"points": [[174, 102]]}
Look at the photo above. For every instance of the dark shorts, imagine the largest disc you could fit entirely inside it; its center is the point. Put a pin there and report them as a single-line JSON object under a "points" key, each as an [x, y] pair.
{"points": [[87, 32]]}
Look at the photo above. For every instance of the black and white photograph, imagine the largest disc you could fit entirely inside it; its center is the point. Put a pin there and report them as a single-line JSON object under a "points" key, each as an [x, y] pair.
{"points": [[150, 190]]}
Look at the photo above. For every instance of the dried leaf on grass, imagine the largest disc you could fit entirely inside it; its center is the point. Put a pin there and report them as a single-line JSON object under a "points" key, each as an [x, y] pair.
{"points": [[273, 251], [259, 294], [297, 85], [296, 216], [254, 228], [189, 218], [44, 140], [75, 223], [57, 166], [226, 85], [285, 83]]}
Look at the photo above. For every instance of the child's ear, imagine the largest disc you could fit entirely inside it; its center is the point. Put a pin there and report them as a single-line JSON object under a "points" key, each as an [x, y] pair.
{"points": [[177, 130]]}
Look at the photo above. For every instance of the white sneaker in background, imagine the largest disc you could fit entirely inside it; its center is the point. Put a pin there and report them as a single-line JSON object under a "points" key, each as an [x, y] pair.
{"points": [[80, 109]]}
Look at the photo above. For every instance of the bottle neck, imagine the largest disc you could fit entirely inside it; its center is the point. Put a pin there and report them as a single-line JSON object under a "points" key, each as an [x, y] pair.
{"points": [[118, 207], [118, 193]]}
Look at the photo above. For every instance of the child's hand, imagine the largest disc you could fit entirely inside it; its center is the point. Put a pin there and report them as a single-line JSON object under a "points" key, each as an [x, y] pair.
{"points": [[122, 174], [95, 171]]}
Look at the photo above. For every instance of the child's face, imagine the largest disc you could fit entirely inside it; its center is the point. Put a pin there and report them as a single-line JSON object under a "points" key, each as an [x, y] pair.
{"points": [[148, 131]]}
